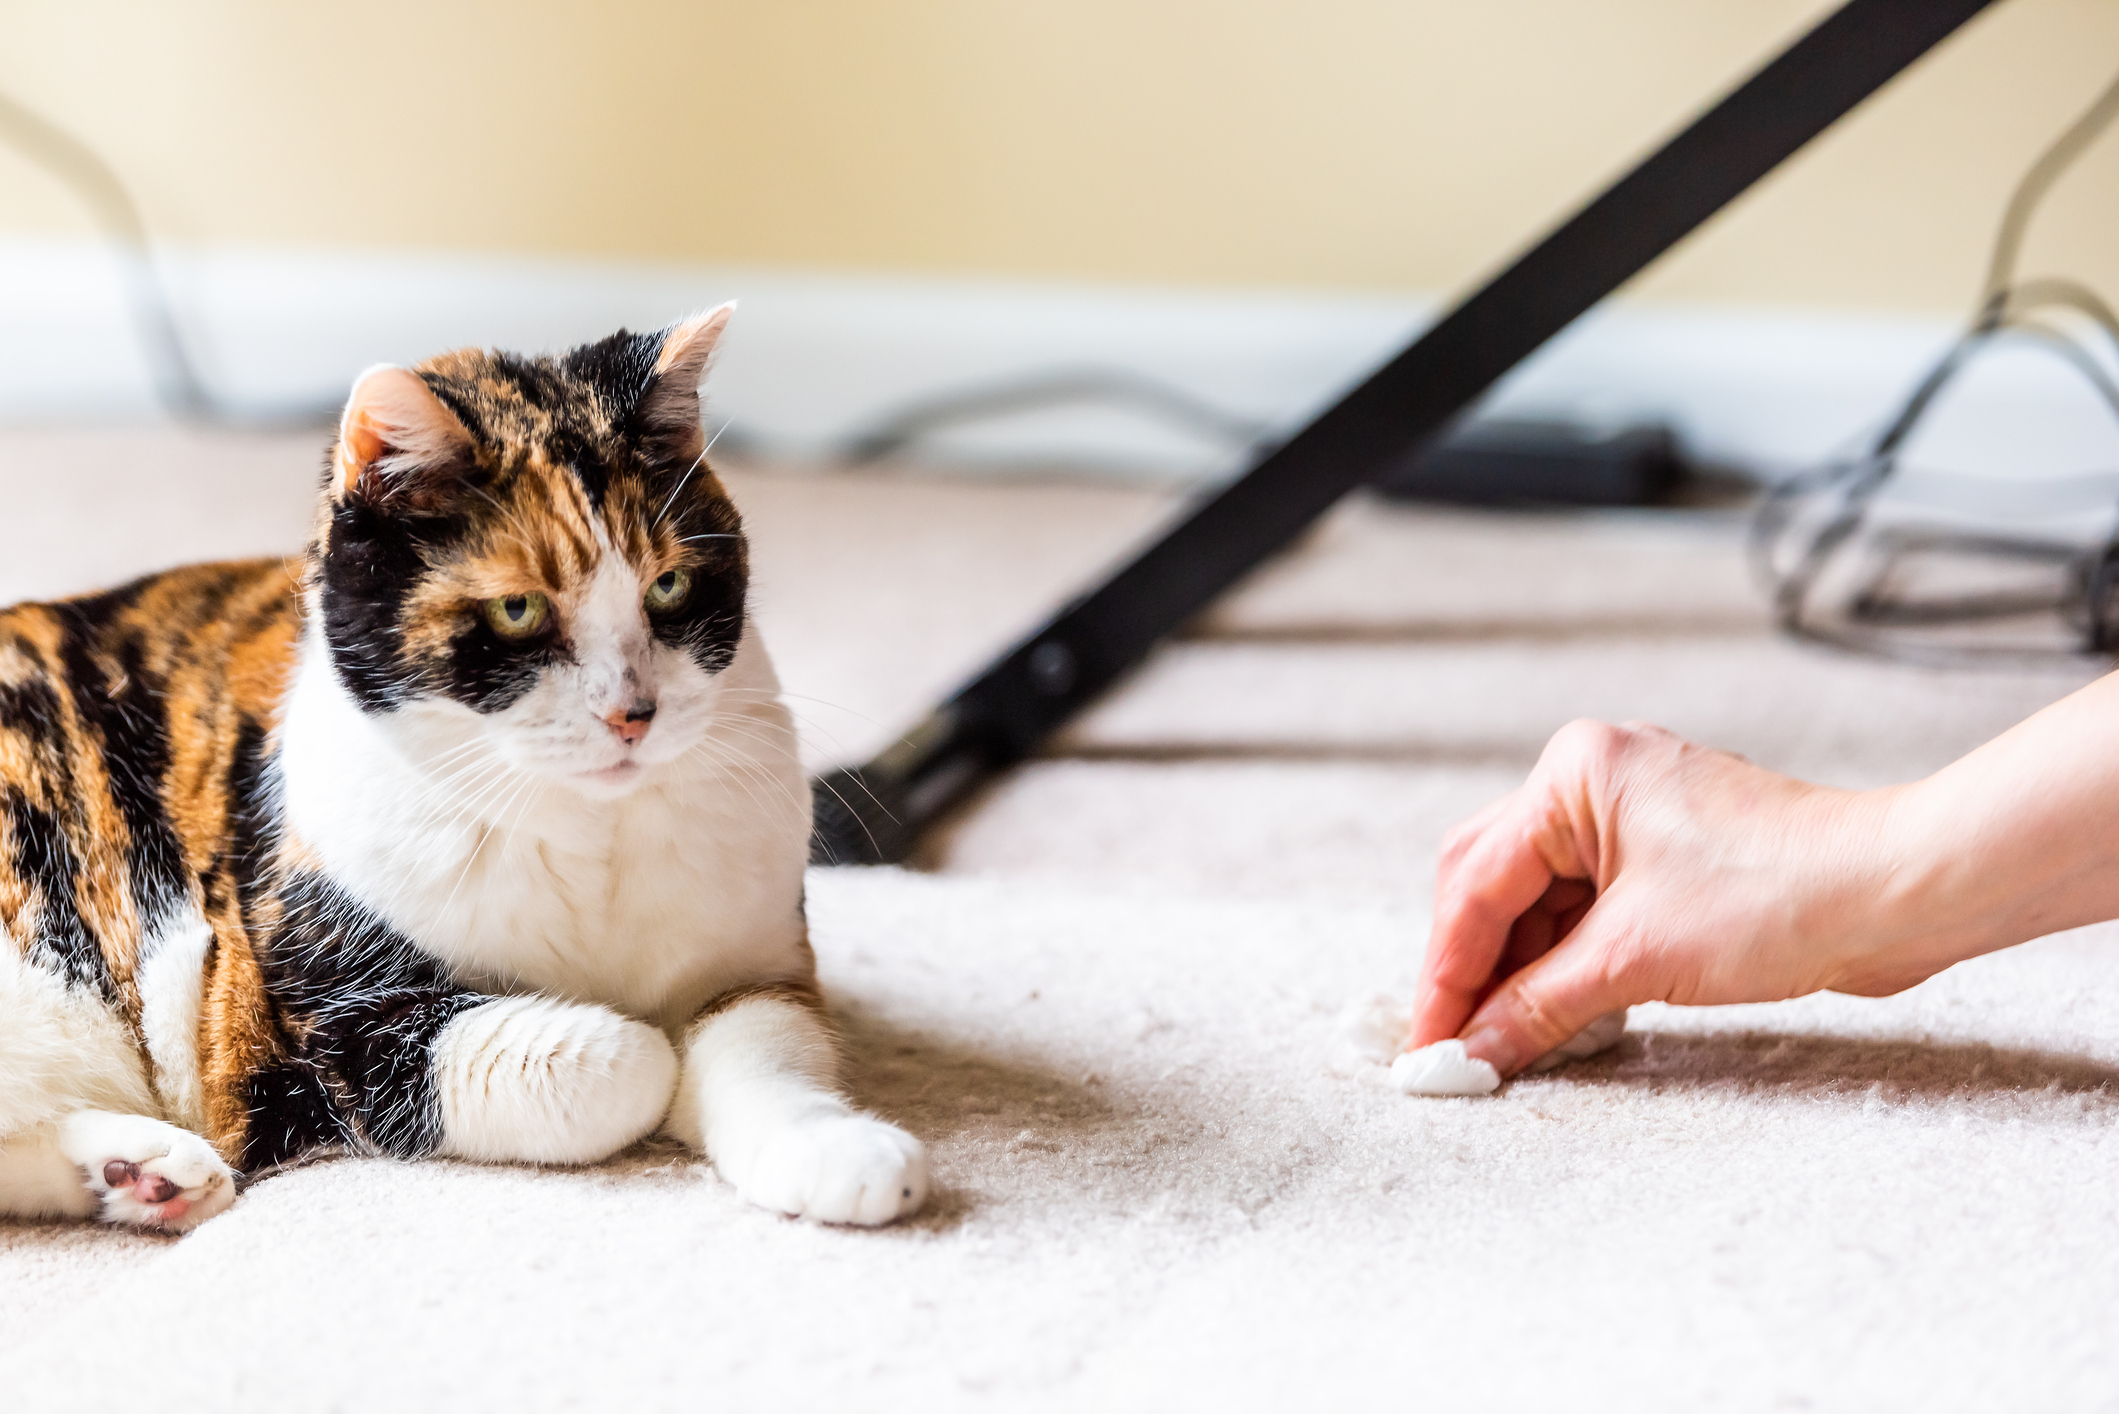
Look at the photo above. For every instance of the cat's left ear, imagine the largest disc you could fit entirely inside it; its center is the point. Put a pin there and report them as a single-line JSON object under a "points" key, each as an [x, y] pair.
{"points": [[669, 409]]}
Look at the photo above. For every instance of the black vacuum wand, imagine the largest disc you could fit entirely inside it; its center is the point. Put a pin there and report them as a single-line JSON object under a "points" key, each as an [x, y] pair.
{"points": [[875, 813]]}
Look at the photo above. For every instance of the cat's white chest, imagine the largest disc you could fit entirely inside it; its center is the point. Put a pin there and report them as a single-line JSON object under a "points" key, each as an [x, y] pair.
{"points": [[651, 904]]}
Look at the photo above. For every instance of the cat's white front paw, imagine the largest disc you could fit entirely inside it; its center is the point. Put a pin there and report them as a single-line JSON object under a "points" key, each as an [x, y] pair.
{"points": [[549, 1082], [838, 1168], [146, 1173]]}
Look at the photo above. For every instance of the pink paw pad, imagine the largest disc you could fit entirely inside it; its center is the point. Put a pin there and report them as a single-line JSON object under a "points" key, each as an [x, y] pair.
{"points": [[151, 1190]]}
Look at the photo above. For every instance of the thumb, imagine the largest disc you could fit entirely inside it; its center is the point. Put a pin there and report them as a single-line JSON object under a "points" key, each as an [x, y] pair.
{"points": [[1550, 1001]]}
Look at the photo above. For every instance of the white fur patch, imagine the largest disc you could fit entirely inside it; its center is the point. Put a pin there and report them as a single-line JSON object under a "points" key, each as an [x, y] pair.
{"points": [[61, 1049], [757, 1097], [172, 982], [37, 1180], [841, 1168], [536, 1080], [745, 1069]]}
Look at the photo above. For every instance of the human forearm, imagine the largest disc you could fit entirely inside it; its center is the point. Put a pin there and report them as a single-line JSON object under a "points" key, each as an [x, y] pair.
{"points": [[2017, 839]]}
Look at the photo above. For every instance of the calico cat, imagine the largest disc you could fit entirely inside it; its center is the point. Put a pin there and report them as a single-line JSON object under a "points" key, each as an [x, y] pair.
{"points": [[476, 830]]}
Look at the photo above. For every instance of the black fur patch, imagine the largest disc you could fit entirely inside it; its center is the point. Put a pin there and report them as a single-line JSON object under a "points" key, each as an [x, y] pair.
{"points": [[487, 672], [32, 708], [63, 942], [375, 561], [360, 1008], [568, 448], [125, 715], [253, 791], [709, 623], [620, 369], [290, 1116]]}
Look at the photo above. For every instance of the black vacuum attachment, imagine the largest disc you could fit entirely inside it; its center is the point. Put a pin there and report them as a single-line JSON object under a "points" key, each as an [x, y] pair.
{"points": [[875, 813]]}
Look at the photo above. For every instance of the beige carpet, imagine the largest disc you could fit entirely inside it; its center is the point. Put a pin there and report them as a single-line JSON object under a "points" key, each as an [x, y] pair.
{"points": [[1106, 1007]]}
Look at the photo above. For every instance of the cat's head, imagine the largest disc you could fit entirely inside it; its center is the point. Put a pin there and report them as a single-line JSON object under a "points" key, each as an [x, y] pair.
{"points": [[530, 556]]}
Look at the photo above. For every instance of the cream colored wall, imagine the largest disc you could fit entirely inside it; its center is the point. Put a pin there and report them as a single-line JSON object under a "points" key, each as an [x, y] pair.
{"points": [[1390, 144]]}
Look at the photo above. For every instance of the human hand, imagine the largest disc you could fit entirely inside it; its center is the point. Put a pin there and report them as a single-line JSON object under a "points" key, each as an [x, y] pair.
{"points": [[1634, 866]]}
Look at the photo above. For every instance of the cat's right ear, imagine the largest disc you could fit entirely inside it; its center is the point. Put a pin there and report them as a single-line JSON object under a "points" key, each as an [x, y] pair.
{"points": [[395, 438]]}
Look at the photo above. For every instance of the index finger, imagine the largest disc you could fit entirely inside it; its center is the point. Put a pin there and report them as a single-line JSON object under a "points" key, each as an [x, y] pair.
{"points": [[1491, 873]]}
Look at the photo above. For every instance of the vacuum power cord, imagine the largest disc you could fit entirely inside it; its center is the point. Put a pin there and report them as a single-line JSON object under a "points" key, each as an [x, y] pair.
{"points": [[1810, 524]]}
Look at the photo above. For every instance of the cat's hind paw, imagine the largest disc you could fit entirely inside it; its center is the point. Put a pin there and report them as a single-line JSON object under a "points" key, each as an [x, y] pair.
{"points": [[145, 1173], [839, 1168]]}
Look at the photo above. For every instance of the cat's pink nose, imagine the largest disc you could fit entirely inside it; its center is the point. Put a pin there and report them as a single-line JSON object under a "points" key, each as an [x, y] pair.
{"points": [[631, 723]]}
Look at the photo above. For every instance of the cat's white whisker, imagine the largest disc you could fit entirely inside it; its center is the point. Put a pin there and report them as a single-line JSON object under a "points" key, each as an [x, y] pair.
{"points": [[810, 723], [682, 481], [788, 795], [503, 798]]}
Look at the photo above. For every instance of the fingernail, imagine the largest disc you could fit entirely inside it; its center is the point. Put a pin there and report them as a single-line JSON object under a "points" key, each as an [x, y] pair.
{"points": [[1491, 1044]]}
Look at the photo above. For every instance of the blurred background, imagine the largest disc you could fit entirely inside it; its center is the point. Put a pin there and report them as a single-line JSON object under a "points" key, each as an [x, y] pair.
{"points": [[1181, 226], [1246, 202]]}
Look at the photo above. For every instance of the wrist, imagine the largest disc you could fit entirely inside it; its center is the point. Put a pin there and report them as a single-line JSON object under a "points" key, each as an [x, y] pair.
{"points": [[1915, 901]]}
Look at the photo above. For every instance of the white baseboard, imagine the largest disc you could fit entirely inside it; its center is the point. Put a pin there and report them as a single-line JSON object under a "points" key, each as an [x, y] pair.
{"points": [[813, 358]]}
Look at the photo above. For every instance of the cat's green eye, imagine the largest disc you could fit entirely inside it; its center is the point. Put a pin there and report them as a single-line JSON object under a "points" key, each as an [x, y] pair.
{"points": [[518, 615], [668, 590]]}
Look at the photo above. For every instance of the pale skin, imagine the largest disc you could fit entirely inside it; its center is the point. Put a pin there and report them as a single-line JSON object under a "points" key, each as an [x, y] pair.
{"points": [[1634, 866]]}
